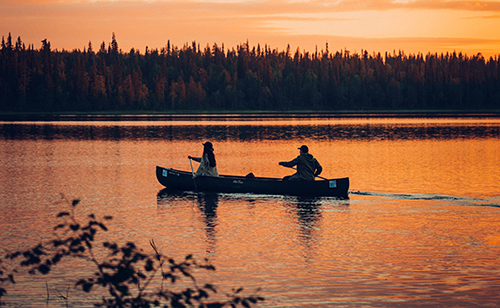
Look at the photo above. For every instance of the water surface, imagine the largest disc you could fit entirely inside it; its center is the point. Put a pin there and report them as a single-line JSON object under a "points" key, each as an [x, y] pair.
{"points": [[420, 227]]}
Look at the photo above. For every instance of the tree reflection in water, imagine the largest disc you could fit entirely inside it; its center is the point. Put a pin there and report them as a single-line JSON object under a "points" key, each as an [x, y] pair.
{"points": [[309, 211], [208, 203]]}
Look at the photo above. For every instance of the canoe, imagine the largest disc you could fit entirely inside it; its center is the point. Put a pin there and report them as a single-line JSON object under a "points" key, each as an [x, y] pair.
{"points": [[182, 180]]}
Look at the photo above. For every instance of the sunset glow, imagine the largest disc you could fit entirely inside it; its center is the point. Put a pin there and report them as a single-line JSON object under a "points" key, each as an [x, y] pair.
{"points": [[469, 27]]}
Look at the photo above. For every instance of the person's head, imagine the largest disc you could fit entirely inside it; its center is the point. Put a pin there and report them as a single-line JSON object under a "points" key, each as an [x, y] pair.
{"points": [[208, 149], [304, 149], [208, 146]]}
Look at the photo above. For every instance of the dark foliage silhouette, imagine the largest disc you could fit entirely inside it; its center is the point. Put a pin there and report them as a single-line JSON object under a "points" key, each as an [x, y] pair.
{"points": [[125, 273], [257, 78]]}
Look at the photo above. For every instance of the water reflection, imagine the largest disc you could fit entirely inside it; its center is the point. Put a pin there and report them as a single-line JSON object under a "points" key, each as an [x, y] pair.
{"points": [[207, 203], [309, 213], [267, 131], [307, 210], [166, 196], [397, 242]]}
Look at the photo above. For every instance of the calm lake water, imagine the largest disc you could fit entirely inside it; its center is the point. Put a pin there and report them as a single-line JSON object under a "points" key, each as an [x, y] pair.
{"points": [[420, 229]]}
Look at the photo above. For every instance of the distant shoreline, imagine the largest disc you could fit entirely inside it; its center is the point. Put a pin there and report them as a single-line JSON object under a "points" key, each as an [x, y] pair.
{"points": [[251, 114]]}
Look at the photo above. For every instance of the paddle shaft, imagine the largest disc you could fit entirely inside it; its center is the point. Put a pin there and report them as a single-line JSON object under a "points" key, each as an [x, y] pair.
{"points": [[315, 175], [192, 172]]}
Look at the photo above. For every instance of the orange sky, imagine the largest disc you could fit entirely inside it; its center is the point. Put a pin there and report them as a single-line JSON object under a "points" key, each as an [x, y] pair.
{"points": [[372, 25]]}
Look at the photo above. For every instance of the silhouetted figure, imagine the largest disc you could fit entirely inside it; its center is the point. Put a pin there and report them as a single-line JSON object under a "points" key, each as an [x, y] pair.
{"points": [[307, 166], [208, 165]]}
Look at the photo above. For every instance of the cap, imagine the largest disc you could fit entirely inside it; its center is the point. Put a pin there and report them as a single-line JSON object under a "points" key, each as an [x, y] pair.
{"points": [[208, 144], [304, 149]]}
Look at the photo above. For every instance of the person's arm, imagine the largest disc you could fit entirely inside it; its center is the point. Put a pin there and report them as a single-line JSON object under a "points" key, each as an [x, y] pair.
{"points": [[318, 168], [289, 163], [203, 166], [197, 159]]}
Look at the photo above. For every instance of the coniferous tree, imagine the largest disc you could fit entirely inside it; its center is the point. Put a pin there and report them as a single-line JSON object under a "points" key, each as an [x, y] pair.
{"points": [[244, 77]]}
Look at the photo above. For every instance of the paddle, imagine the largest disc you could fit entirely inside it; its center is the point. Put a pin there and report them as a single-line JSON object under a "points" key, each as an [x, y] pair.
{"points": [[315, 175], [192, 172]]}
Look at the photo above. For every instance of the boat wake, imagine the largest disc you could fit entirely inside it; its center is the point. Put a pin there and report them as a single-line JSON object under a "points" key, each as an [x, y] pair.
{"points": [[489, 202]]}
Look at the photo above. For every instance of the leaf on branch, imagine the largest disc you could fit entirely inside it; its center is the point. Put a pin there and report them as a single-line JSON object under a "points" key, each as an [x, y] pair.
{"points": [[59, 226], [76, 242], [123, 290], [203, 294], [185, 272], [87, 287], [208, 267], [149, 266], [38, 250], [211, 287], [56, 258], [57, 243], [171, 276], [14, 255], [44, 269]]}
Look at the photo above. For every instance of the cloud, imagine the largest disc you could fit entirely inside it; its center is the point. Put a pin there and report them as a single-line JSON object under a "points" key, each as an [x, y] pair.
{"points": [[483, 17], [414, 26], [410, 45], [270, 7]]}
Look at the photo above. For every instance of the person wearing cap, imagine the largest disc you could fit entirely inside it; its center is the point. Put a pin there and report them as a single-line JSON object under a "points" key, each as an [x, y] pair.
{"points": [[208, 165], [307, 166]]}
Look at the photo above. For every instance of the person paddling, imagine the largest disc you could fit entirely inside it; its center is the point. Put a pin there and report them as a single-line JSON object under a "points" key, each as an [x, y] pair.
{"points": [[208, 165], [307, 166]]}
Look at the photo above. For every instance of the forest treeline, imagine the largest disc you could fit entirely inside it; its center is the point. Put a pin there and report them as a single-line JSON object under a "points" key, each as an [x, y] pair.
{"points": [[242, 78]]}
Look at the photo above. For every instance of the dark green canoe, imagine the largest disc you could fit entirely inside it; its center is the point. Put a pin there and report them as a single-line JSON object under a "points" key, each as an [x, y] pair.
{"points": [[182, 180]]}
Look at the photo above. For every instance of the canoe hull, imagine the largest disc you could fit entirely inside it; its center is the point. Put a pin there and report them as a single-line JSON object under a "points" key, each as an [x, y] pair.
{"points": [[182, 180]]}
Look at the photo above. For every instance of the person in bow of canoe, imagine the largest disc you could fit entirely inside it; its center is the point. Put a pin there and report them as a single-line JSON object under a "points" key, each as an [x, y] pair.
{"points": [[307, 166], [208, 165]]}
